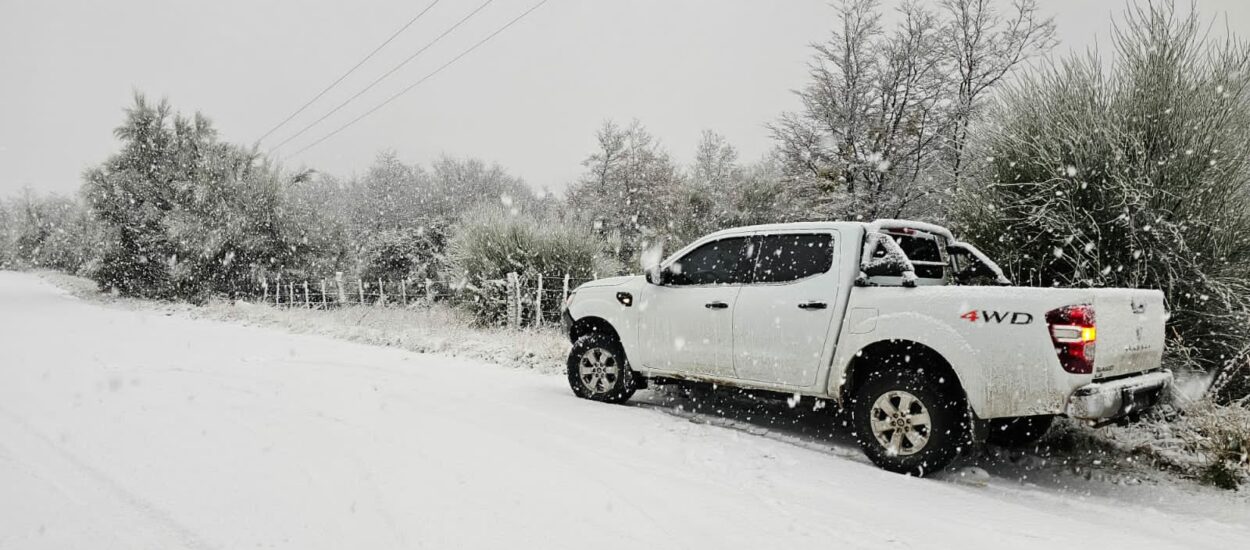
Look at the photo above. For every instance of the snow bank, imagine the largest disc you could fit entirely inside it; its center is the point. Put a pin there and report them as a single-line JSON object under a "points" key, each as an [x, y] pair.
{"points": [[420, 328], [1155, 450]]}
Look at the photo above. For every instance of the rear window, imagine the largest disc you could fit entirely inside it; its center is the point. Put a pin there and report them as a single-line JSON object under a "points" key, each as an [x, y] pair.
{"points": [[919, 249], [792, 257]]}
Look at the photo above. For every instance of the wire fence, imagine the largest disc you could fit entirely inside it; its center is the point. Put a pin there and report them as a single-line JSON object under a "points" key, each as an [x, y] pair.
{"points": [[521, 300]]}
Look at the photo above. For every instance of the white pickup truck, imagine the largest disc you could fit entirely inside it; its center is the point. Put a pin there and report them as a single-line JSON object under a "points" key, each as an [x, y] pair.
{"points": [[917, 335]]}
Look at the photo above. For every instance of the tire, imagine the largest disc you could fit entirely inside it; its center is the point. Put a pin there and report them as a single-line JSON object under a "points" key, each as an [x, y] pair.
{"points": [[1019, 432], [598, 369], [919, 448]]}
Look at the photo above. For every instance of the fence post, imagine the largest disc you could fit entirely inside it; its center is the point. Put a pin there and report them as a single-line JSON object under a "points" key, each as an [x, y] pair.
{"points": [[307, 298], [290, 294], [264, 285], [277, 291], [381, 293], [338, 281], [429, 291], [514, 301], [360, 284], [324, 305], [538, 303], [565, 297], [403, 292]]}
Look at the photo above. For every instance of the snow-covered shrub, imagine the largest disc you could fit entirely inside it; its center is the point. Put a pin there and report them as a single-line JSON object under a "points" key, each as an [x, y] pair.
{"points": [[46, 231], [1220, 435], [396, 254], [492, 242], [1133, 172], [49, 231]]}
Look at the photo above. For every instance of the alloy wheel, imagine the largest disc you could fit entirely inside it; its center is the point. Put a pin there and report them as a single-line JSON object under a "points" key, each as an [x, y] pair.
{"points": [[900, 422]]}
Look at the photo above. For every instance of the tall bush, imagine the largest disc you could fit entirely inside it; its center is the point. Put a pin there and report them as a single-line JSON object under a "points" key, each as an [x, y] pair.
{"points": [[1133, 172], [185, 215], [397, 254], [491, 242], [47, 231]]}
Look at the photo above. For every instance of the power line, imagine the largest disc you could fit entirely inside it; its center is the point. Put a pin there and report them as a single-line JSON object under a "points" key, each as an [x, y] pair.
{"points": [[349, 71], [383, 77], [423, 79]]}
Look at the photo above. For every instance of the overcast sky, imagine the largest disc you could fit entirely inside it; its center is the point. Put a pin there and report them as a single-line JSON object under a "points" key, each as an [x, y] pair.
{"points": [[531, 99]]}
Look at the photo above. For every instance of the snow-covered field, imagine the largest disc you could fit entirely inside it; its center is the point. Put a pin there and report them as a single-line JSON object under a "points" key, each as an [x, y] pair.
{"points": [[131, 428]]}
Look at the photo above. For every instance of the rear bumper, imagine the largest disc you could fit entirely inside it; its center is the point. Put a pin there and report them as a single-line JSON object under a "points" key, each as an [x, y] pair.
{"points": [[1107, 400]]}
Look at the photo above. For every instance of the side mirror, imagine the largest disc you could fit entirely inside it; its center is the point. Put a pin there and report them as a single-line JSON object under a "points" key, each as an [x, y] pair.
{"points": [[656, 275]]}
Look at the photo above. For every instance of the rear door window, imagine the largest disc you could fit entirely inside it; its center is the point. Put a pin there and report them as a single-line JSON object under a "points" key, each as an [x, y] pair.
{"points": [[784, 258]]}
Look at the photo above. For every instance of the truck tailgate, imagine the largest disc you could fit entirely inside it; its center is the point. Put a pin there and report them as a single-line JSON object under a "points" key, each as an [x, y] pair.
{"points": [[1130, 325]]}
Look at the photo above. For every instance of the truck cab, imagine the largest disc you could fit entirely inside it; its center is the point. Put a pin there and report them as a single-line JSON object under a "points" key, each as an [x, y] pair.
{"points": [[897, 321]]}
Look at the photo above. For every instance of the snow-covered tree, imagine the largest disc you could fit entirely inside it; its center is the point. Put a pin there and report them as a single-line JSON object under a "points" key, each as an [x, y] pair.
{"points": [[461, 185], [983, 44], [627, 190], [700, 204], [883, 124], [184, 214], [400, 214], [1134, 172], [720, 192], [390, 196]]}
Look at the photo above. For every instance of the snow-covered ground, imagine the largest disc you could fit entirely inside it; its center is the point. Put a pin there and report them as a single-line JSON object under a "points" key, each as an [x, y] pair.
{"points": [[124, 428]]}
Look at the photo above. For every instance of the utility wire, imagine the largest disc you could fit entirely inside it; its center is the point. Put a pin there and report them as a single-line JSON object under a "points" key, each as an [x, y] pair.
{"points": [[383, 77], [349, 72], [423, 79]]}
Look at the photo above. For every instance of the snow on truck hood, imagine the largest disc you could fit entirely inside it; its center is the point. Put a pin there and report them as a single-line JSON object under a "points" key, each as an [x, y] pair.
{"points": [[609, 281]]}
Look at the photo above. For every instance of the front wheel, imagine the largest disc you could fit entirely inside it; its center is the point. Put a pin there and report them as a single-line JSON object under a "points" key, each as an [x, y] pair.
{"points": [[909, 422], [598, 370]]}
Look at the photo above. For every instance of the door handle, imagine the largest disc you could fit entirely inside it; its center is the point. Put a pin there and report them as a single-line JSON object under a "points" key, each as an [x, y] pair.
{"points": [[813, 305], [716, 305]]}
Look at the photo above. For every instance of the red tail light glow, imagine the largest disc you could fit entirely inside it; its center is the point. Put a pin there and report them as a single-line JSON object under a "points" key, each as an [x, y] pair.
{"points": [[1073, 332]]}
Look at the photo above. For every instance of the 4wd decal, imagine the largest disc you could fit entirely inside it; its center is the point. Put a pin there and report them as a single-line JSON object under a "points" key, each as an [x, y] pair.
{"points": [[1000, 317]]}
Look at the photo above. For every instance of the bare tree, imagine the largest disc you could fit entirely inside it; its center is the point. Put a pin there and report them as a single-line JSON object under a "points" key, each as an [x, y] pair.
{"points": [[865, 138], [886, 115], [984, 44]]}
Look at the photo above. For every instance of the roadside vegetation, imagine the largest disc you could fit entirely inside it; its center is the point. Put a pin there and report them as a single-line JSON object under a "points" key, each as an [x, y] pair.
{"points": [[1121, 168]]}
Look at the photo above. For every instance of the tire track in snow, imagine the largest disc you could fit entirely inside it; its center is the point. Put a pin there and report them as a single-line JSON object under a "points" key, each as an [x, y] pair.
{"points": [[89, 479]]}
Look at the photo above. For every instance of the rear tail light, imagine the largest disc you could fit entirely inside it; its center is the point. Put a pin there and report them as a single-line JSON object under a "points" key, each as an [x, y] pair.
{"points": [[1073, 332]]}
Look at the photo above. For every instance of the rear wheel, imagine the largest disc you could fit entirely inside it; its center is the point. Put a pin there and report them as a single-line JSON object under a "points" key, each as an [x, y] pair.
{"points": [[598, 369], [1019, 432], [908, 421]]}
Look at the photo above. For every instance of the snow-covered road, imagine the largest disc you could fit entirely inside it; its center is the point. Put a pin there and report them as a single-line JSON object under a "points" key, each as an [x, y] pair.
{"points": [[132, 429]]}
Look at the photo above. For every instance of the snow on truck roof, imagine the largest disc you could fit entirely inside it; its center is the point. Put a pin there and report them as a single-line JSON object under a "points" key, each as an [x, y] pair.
{"points": [[873, 226]]}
